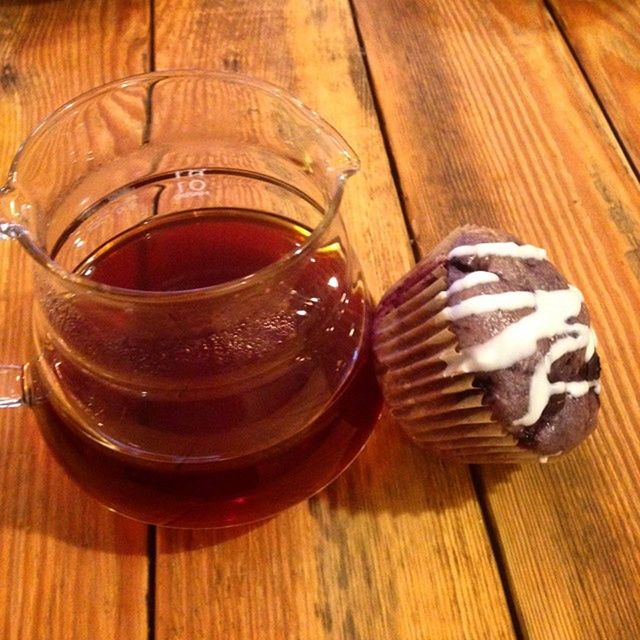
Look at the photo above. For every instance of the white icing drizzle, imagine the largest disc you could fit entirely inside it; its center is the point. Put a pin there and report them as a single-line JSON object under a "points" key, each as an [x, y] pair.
{"points": [[472, 279], [545, 459], [550, 317], [505, 249], [541, 390], [507, 301], [519, 340]]}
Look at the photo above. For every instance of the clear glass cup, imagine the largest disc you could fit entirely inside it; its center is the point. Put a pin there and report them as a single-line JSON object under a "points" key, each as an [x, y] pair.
{"points": [[200, 324]]}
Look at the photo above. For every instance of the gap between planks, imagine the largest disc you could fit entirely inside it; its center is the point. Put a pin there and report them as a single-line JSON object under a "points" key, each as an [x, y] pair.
{"points": [[558, 23], [395, 174], [152, 556], [476, 479], [152, 540]]}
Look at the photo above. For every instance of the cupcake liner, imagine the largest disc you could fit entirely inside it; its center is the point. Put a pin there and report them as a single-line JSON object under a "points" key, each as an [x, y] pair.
{"points": [[486, 430], [444, 414], [520, 457]]}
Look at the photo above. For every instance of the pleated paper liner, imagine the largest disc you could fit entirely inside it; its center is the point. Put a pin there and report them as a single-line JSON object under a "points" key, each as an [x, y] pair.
{"points": [[444, 414]]}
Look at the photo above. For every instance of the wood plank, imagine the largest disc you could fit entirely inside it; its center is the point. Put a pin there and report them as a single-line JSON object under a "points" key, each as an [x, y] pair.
{"points": [[490, 121], [70, 568], [396, 548], [605, 36]]}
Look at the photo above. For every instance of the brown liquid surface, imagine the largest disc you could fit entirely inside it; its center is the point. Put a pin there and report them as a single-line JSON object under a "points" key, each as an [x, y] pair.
{"points": [[226, 425]]}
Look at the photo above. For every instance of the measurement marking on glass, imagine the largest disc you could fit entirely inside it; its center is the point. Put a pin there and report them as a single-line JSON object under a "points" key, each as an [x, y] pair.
{"points": [[195, 187]]}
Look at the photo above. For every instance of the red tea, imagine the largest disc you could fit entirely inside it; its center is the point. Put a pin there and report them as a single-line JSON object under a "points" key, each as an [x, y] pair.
{"points": [[207, 410]]}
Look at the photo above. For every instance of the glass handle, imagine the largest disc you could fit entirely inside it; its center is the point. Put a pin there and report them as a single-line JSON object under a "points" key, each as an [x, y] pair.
{"points": [[12, 391]]}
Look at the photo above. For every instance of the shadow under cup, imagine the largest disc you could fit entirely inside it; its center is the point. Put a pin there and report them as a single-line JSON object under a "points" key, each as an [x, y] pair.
{"points": [[226, 400]]}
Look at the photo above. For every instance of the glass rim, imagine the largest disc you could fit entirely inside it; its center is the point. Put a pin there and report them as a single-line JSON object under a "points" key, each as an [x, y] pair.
{"points": [[52, 266]]}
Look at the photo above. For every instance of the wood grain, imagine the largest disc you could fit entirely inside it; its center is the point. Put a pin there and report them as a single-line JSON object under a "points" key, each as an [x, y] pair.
{"points": [[396, 548], [490, 121], [69, 567], [605, 36]]}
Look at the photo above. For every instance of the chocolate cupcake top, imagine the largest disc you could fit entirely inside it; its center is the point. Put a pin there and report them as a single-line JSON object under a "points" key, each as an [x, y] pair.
{"points": [[525, 333]]}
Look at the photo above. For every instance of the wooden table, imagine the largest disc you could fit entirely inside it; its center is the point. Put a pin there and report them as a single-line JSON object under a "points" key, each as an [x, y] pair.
{"points": [[521, 114]]}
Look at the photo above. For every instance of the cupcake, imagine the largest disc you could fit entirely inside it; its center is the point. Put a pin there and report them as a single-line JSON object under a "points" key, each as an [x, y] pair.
{"points": [[486, 354]]}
